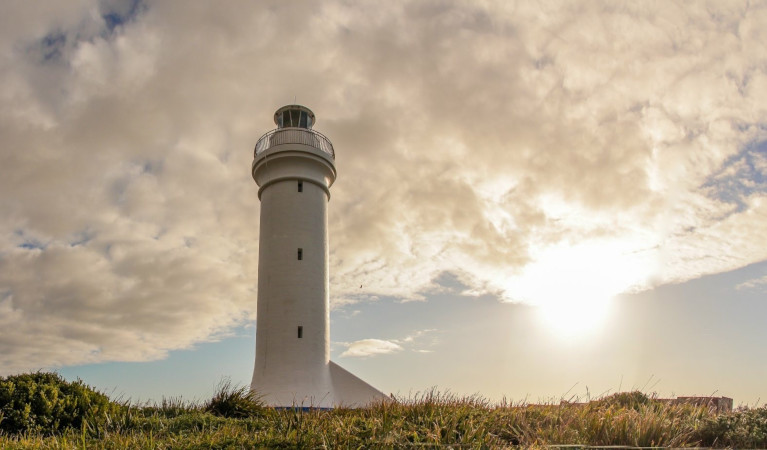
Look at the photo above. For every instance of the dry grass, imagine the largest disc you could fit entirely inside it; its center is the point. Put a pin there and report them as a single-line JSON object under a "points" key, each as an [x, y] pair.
{"points": [[235, 419]]}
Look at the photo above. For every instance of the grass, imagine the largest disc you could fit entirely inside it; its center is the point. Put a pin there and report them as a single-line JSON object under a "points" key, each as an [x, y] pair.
{"points": [[235, 418]]}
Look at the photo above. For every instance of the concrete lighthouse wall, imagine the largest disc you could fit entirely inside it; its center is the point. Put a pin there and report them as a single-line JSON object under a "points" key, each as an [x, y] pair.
{"points": [[295, 291], [292, 365], [292, 337]]}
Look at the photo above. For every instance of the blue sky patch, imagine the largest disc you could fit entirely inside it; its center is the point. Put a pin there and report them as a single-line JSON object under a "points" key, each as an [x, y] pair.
{"points": [[120, 13], [32, 244], [742, 175], [28, 242], [52, 46], [82, 238]]}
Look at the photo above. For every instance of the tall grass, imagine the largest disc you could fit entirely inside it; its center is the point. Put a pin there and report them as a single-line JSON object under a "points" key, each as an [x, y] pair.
{"points": [[234, 401], [235, 418]]}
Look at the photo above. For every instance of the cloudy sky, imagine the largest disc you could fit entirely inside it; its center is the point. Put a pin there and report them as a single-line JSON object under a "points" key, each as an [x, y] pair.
{"points": [[535, 199]]}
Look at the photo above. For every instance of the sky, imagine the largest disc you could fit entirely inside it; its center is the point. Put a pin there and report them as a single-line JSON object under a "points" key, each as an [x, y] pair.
{"points": [[535, 200]]}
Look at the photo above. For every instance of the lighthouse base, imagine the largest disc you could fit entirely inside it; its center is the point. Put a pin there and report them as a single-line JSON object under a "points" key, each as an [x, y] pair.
{"points": [[335, 387]]}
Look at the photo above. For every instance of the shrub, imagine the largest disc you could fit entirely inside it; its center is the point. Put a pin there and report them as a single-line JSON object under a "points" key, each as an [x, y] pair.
{"points": [[234, 401], [632, 400], [46, 403], [739, 429]]}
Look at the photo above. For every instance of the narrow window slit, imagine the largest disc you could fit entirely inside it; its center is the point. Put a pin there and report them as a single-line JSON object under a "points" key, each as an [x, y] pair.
{"points": [[300, 186], [300, 332], [300, 254]]}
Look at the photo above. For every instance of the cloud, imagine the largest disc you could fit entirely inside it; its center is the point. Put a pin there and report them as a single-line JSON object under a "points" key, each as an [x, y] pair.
{"points": [[756, 283], [417, 335], [492, 142], [370, 347]]}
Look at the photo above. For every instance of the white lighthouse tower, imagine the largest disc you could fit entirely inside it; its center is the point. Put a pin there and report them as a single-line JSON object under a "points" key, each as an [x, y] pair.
{"points": [[294, 168]]}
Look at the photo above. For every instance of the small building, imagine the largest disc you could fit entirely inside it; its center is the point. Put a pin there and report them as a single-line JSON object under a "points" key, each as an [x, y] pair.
{"points": [[721, 404]]}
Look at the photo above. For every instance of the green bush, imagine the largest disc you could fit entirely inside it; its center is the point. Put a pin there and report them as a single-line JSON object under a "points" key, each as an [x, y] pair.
{"points": [[43, 411], [46, 403], [739, 429], [635, 400], [234, 401]]}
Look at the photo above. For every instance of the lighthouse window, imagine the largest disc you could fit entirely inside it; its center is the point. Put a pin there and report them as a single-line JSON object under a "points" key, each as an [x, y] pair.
{"points": [[302, 123], [300, 186], [300, 254], [287, 120], [300, 332]]}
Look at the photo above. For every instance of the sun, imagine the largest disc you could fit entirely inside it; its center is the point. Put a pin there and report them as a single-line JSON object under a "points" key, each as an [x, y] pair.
{"points": [[574, 286], [575, 317]]}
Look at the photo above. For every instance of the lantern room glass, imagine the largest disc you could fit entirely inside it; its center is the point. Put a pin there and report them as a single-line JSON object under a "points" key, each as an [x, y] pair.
{"points": [[294, 118]]}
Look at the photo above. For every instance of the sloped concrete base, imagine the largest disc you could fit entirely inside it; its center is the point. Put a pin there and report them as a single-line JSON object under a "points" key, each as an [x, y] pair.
{"points": [[350, 391], [331, 387]]}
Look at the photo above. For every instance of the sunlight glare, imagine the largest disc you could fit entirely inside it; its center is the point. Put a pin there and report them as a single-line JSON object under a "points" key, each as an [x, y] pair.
{"points": [[573, 286]]}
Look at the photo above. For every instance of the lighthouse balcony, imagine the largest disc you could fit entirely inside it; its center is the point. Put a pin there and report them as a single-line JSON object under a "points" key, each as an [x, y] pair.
{"points": [[294, 135]]}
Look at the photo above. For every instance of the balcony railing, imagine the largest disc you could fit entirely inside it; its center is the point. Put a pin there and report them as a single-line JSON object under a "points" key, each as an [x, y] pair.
{"points": [[294, 136]]}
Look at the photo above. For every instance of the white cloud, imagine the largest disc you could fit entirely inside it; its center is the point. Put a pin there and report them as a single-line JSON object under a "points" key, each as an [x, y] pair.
{"points": [[418, 335], [757, 283], [370, 347], [495, 142]]}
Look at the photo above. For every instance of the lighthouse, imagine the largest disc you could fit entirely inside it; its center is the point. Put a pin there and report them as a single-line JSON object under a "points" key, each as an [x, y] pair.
{"points": [[294, 167]]}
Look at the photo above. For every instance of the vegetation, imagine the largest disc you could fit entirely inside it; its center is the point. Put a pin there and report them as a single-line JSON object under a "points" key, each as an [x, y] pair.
{"points": [[42, 410], [45, 403]]}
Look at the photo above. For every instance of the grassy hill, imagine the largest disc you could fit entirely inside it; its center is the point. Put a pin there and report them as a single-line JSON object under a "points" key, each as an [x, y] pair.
{"points": [[41, 410]]}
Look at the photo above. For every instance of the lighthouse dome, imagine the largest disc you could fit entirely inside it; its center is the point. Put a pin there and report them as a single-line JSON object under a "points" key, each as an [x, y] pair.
{"points": [[294, 116]]}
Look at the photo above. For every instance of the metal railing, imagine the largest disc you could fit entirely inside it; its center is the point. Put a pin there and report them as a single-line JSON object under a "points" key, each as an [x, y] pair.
{"points": [[294, 136]]}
